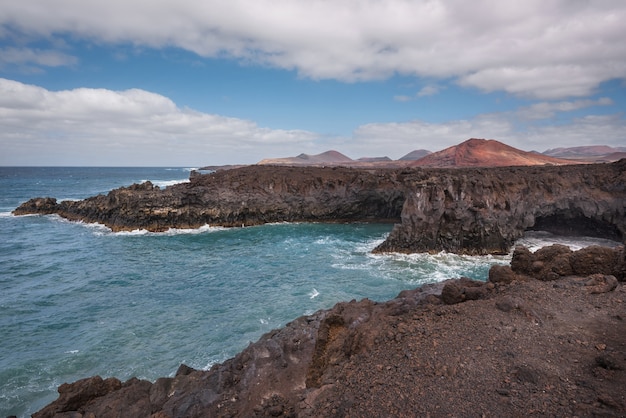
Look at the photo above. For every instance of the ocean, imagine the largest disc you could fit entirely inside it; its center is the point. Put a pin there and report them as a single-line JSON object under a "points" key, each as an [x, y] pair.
{"points": [[77, 300]]}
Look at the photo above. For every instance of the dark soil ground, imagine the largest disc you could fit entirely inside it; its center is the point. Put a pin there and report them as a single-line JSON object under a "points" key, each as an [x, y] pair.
{"points": [[532, 349]]}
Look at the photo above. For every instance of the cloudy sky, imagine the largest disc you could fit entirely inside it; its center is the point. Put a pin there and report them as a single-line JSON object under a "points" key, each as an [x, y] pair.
{"points": [[189, 83]]}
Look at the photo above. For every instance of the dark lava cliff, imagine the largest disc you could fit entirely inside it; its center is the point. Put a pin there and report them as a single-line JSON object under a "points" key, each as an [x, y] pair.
{"points": [[462, 210], [245, 196], [484, 210]]}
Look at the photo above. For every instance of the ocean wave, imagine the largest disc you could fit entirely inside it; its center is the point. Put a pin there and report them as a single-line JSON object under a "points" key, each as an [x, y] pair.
{"points": [[166, 183], [6, 214], [534, 240], [187, 169], [170, 232]]}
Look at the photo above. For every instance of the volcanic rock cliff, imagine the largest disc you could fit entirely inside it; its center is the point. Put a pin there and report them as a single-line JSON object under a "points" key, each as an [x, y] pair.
{"points": [[462, 210], [484, 210], [246, 196]]}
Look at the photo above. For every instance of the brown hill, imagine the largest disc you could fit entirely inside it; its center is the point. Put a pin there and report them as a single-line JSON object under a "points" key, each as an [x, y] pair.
{"points": [[486, 153], [375, 159], [329, 157], [613, 157], [592, 153], [415, 155]]}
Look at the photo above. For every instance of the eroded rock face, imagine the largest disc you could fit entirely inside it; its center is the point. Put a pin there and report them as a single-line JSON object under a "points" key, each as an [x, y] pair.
{"points": [[481, 211], [240, 197], [469, 210]]}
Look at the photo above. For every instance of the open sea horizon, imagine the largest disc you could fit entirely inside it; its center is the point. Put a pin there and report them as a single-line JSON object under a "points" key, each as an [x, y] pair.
{"points": [[78, 300]]}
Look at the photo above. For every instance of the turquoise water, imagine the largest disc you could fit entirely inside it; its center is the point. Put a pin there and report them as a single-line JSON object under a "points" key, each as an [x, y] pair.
{"points": [[77, 300]]}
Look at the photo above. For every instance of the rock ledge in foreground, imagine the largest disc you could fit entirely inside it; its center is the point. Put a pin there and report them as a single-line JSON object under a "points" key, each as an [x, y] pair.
{"points": [[516, 345]]}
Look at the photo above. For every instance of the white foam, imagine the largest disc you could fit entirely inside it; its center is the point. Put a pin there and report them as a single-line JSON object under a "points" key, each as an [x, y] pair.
{"points": [[534, 240], [282, 223], [101, 229], [172, 231], [188, 169], [6, 215], [166, 183], [72, 352], [328, 241], [423, 267]]}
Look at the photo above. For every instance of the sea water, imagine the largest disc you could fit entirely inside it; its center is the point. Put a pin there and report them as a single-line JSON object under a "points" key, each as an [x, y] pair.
{"points": [[77, 300]]}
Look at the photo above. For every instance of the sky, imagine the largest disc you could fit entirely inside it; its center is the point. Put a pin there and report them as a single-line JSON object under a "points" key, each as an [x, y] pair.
{"points": [[212, 82]]}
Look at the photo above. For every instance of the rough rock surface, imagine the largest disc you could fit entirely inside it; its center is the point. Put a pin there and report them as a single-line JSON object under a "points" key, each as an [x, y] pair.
{"points": [[484, 210], [468, 210], [246, 196], [513, 346]]}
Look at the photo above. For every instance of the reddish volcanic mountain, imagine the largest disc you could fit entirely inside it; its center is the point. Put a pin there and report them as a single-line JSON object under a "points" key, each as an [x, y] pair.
{"points": [[486, 153]]}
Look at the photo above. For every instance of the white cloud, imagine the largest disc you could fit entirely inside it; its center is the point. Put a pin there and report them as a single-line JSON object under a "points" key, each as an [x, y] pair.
{"points": [[136, 127], [408, 136], [429, 90], [412, 135], [545, 49], [544, 110], [131, 127], [28, 56]]}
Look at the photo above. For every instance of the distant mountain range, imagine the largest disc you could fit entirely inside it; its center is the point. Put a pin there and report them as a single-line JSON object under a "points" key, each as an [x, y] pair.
{"points": [[596, 153], [471, 153], [325, 158]]}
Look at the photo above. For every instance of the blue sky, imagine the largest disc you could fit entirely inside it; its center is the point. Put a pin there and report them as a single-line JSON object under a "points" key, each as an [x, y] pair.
{"points": [[188, 83]]}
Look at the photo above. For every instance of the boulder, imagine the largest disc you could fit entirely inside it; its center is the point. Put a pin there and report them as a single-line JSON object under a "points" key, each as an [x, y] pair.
{"points": [[501, 274], [556, 261], [461, 290]]}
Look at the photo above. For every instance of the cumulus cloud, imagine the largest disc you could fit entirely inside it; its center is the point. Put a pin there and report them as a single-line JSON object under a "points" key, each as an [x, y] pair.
{"points": [[543, 49], [544, 110], [29, 56], [98, 126], [587, 130], [428, 90], [136, 127]]}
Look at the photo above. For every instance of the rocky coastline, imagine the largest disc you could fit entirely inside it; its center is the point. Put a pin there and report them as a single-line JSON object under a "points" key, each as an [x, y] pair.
{"points": [[460, 210], [543, 337]]}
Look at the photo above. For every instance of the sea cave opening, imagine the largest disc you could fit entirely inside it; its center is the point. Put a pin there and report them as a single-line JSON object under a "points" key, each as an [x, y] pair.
{"points": [[577, 225]]}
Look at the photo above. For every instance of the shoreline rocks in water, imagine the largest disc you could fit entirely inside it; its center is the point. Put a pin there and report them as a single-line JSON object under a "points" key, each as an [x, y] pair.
{"points": [[545, 337], [461, 210]]}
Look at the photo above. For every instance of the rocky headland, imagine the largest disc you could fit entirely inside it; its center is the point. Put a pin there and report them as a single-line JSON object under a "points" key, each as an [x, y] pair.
{"points": [[484, 210], [461, 210], [543, 337]]}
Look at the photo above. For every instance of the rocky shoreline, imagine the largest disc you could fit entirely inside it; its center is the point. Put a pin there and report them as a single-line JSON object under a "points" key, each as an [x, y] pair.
{"points": [[461, 210], [543, 337]]}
